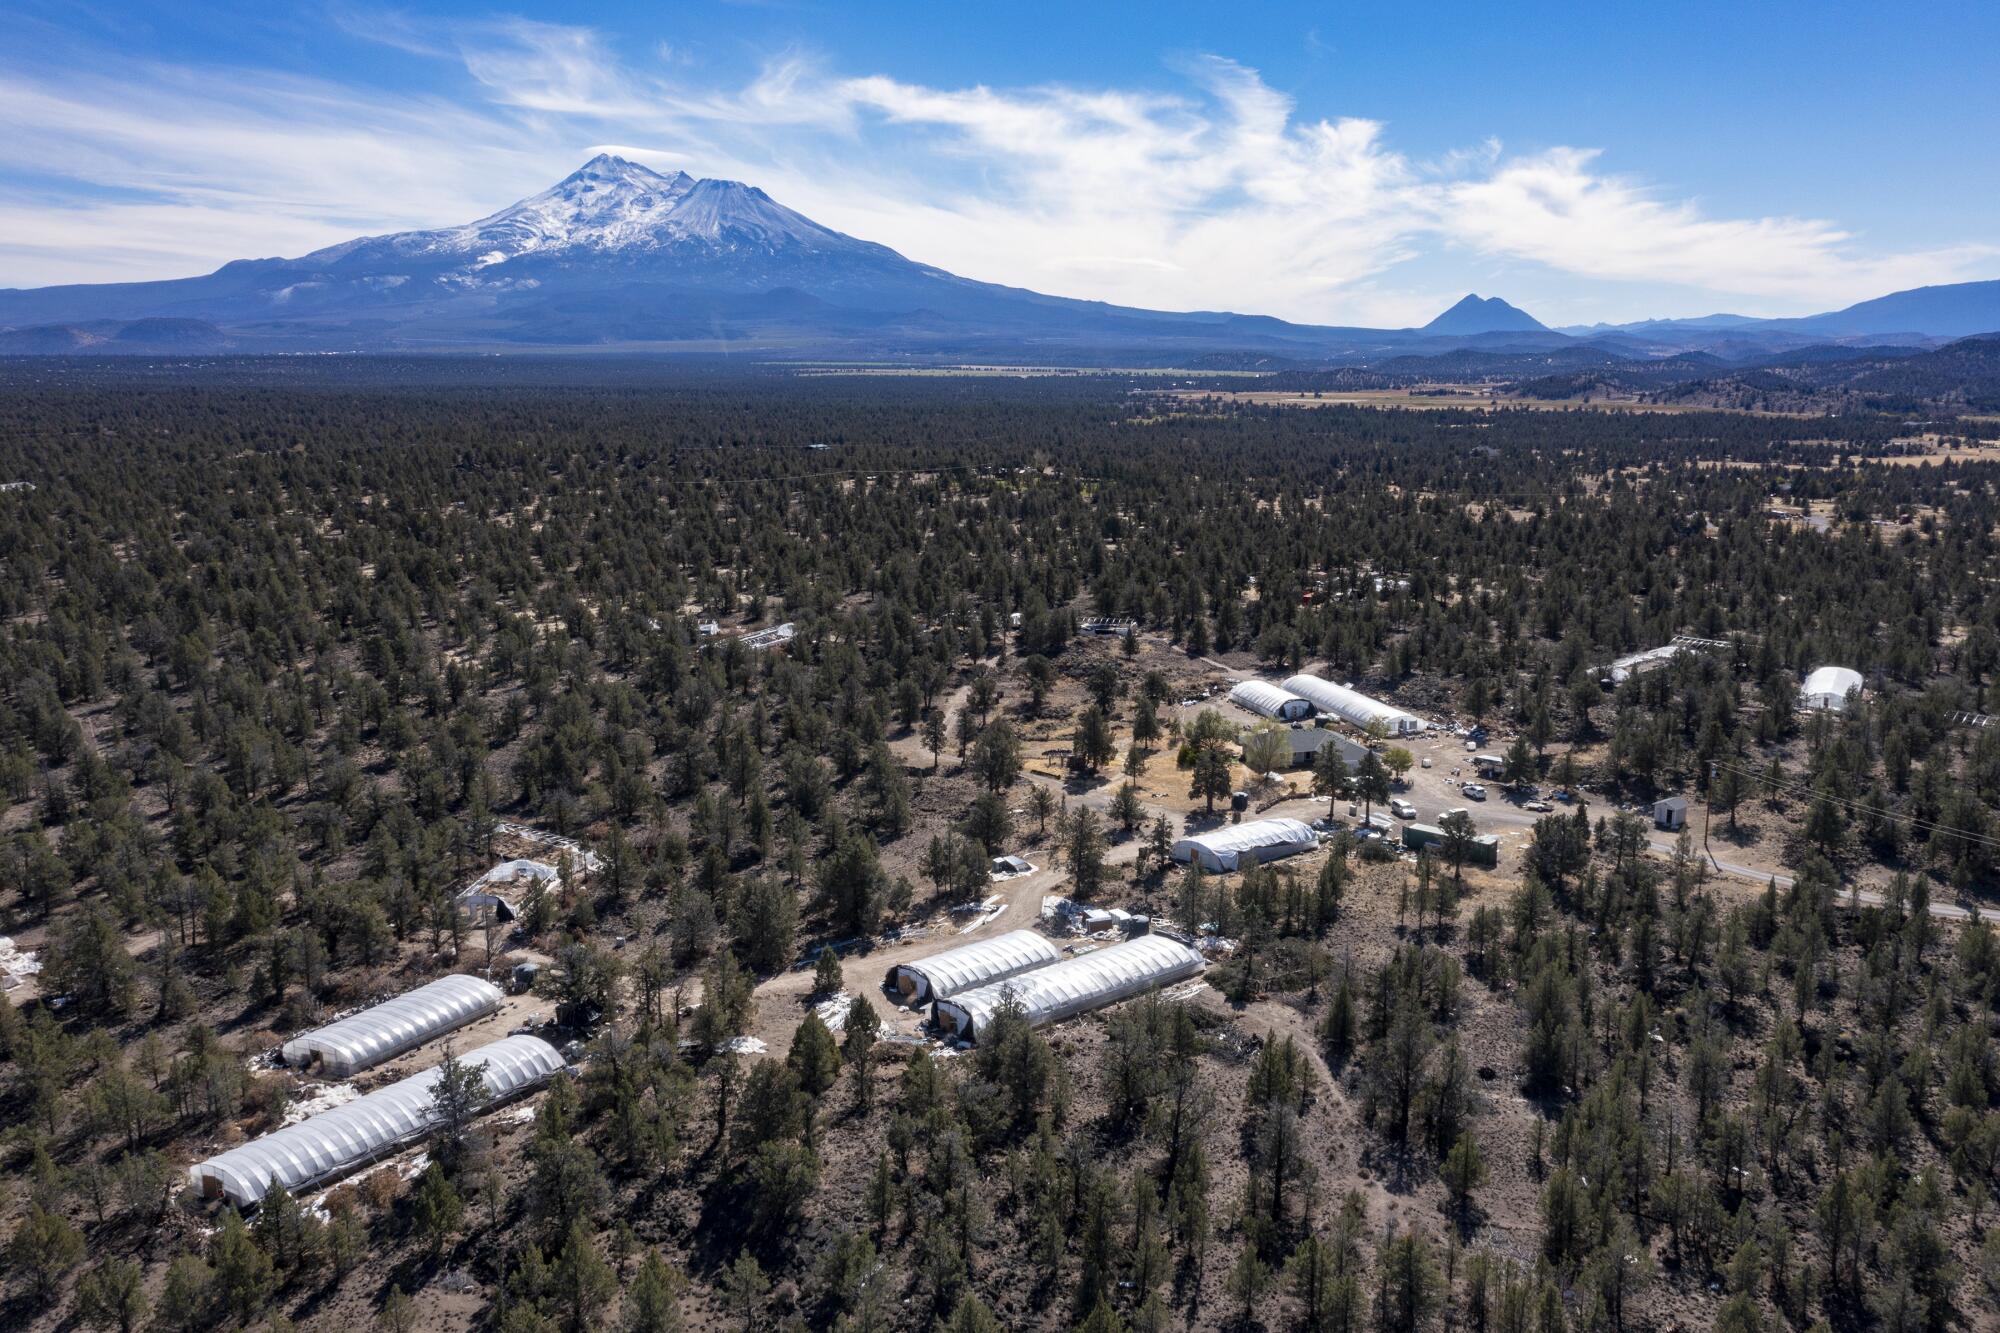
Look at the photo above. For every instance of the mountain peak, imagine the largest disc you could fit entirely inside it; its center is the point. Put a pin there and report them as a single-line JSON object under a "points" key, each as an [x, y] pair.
{"points": [[1490, 314]]}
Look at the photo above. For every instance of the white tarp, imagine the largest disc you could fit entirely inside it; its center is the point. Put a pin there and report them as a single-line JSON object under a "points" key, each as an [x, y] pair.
{"points": [[361, 1041], [954, 970], [366, 1129], [1075, 986], [1353, 707], [1261, 839], [1621, 670], [1267, 700]]}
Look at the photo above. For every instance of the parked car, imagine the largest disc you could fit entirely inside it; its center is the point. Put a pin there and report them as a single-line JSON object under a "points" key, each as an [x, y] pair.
{"points": [[1539, 807], [1474, 790], [1401, 808]]}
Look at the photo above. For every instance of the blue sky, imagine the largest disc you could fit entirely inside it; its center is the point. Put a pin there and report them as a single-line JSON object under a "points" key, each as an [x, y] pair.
{"points": [[1339, 163]]}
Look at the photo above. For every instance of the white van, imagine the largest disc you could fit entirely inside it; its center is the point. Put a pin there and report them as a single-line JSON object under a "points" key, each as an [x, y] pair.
{"points": [[1401, 808]]}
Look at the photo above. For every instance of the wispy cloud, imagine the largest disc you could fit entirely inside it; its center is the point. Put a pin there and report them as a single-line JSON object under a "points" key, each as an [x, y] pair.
{"points": [[1218, 195]]}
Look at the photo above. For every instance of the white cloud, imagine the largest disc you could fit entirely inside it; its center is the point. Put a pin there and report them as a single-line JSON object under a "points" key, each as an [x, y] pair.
{"points": [[1218, 195]]}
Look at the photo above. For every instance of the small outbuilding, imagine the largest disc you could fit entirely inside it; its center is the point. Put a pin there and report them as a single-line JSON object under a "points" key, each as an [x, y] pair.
{"points": [[1260, 840], [971, 965], [1671, 814], [1076, 986]]}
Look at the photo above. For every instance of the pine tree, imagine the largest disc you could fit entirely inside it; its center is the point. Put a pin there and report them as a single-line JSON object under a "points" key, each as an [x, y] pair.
{"points": [[652, 1302], [580, 1282], [814, 1057], [436, 1210]]}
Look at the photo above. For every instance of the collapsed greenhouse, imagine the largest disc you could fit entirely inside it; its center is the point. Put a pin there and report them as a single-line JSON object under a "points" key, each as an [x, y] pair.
{"points": [[1260, 840], [1267, 700], [1352, 707], [955, 970], [381, 1032], [367, 1129], [1076, 986]]}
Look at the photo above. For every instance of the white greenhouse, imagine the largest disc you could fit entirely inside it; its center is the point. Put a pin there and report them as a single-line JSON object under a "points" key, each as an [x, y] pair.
{"points": [[1828, 687], [1354, 708], [969, 965], [366, 1129], [1258, 841], [1267, 700], [1075, 986], [384, 1031]]}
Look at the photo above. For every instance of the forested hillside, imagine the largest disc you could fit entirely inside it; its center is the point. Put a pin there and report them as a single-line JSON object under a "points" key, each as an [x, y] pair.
{"points": [[291, 651]]}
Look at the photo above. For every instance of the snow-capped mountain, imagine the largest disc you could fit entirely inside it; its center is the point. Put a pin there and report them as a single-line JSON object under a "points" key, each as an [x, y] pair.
{"points": [[617, 253], [609, 205]]}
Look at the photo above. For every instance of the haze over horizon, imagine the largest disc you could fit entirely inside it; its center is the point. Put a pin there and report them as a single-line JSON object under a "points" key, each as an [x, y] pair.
{"points": [[1371, 174]]}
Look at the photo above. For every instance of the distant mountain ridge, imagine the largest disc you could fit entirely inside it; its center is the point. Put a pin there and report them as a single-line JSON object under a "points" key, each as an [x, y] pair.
{"points": [[617, 254], [1474, 314]]}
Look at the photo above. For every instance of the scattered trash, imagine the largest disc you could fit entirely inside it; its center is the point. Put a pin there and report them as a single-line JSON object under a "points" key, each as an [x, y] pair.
{"points": [[322, 1097], [17, 965], [987, 910], [833, 1010]]}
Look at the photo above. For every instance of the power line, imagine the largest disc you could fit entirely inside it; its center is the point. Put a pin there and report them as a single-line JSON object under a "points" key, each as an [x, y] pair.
{"points": [[1860, 807]]}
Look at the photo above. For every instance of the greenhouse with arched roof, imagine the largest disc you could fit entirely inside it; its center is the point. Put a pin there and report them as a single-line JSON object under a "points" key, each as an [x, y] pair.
{"points": [[383, 1031], [946, 974], [366, 1129], [1075, 986]]}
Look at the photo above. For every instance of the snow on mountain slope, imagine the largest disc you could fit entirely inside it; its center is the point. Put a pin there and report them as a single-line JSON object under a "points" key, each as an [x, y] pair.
{"points": [[609, 205]]}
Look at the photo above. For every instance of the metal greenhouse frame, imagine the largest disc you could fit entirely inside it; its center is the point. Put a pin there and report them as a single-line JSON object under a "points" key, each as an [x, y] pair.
{"points": [[1076, 986], [365, 1130], [381, 1032], [946, 974]]}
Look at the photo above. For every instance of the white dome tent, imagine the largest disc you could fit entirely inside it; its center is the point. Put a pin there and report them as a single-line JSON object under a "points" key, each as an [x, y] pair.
{"points": [[1076, 986], [366, 1129], [1827, 689], [1260, 840], [364, 1040], [946, 974], [1267, 700], [1353, 707]]}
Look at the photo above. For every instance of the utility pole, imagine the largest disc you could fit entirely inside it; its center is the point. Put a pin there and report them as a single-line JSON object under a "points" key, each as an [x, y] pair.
{"points": [[1708, 801]]}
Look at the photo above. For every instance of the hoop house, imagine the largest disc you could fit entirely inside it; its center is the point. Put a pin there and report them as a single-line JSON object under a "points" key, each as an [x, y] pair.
{"points": [[366, 1129], [381, 1032], [1076, 986]]}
